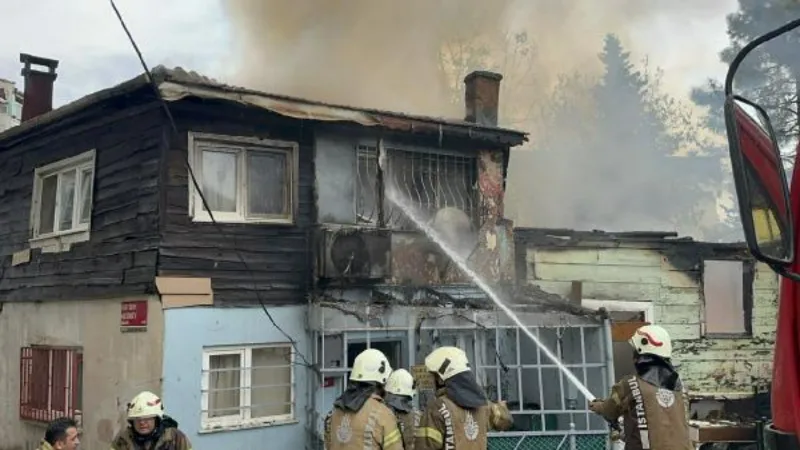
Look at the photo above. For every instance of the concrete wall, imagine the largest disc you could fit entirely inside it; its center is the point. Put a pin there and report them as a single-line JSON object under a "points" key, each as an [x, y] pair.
{"points": [[189, 330], [716, 367], [116, 365]]}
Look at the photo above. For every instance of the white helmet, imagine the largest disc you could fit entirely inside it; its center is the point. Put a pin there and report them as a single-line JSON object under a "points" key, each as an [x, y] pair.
{"points": [[145, 405], [447, 362], [652, 340], [401, 383], [371, 365]]}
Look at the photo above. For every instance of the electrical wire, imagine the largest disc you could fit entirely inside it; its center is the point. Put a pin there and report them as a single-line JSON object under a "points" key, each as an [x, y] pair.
{"points": [[199, 191]]}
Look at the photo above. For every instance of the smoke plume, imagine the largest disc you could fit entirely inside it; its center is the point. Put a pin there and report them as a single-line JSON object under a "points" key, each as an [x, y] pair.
{"points": [[412, 55]]}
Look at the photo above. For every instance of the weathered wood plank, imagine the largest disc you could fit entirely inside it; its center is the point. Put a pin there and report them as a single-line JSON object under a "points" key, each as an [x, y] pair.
{"points": [[577, 272], [125, 137]]}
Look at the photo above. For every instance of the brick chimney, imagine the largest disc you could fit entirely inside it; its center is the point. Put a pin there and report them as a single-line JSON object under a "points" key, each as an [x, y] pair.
{"points": [[482, 96], [38, 85]]}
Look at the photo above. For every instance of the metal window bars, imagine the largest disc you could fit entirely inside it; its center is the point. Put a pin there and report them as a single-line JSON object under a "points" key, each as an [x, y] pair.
{"points": [[432, 181], [545, 407]]}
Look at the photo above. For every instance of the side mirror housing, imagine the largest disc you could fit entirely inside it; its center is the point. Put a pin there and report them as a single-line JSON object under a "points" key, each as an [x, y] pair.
{"points": [[761, 184]]}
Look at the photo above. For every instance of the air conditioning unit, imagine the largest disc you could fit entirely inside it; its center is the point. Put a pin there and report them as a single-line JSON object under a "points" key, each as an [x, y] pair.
{"points": [[354, 253]]}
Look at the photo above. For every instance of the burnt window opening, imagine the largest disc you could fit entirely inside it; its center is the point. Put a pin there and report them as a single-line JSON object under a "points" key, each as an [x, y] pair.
{"points": [[440, 186], [728, 298]]}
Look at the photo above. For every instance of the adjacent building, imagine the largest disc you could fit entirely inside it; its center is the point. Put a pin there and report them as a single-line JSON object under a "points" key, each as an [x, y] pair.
{"points": [[718, 303], [235, 254]]}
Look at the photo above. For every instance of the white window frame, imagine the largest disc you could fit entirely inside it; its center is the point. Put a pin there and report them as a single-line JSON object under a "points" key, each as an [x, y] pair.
{"points": [[243, 419], [241, 146], [80, 232]]}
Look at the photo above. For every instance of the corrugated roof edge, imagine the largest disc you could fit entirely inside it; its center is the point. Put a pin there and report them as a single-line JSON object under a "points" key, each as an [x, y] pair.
{"points": [[178, 83]]}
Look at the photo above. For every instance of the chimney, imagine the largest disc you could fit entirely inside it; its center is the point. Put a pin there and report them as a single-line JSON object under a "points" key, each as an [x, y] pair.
{"points": [[482, 96], [38, 85]]}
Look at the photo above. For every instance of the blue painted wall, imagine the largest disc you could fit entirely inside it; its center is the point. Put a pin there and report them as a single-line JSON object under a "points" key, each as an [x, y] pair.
{"points": [[188, 330]]}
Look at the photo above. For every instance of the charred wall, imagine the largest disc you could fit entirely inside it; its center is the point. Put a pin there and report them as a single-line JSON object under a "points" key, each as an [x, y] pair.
{"points": [[279, 266], [120, 257]]}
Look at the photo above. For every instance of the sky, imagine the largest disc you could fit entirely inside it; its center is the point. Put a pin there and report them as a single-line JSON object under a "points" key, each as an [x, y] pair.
{"points": [[94, 53]]}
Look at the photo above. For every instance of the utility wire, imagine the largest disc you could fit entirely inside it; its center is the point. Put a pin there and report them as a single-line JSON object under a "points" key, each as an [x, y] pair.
{"points": [[196, 185]]}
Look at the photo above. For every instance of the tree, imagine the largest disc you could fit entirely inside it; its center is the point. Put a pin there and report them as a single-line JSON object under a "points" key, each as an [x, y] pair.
{"points": [[618, 153], [769, 76]]}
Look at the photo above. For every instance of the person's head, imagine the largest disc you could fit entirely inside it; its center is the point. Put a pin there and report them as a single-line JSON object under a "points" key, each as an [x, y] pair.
{"points": [[446, 362], [401, 383], [144, 412], [371, 367], [651, 340], [62, 434]]}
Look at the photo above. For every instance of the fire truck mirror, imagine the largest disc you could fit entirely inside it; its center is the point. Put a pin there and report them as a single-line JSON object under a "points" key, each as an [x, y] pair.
{"points": [[761, 184]]}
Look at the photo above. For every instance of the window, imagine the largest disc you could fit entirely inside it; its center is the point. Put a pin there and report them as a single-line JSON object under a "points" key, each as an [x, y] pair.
{"points": [[244, 179], [432, 181], [727, 296], [50, 383], [247, 386], [62, 197]]}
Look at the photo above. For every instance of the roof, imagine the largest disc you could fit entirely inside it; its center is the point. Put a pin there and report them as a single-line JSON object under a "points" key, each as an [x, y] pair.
{"points": [[176, 84]]}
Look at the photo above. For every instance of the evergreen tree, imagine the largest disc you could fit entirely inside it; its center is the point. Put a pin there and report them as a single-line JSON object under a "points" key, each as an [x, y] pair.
{"points": [[627, 142]]}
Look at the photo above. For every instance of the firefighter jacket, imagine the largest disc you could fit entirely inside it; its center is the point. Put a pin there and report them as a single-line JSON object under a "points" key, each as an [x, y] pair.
{"points": [[44, 445], [166, 436], [407, 417], [361, 421], [652, 406], [460, 417]]}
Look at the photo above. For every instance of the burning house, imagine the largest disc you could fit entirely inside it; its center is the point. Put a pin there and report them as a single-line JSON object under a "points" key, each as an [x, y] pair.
{"points": [[716, 301], [235, 255]]}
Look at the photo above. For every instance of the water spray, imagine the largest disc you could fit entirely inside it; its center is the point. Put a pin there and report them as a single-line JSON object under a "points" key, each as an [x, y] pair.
{"points": [[408, 210]]}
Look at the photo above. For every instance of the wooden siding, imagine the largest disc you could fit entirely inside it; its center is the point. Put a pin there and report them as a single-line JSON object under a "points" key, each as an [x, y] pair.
{"points": [[642, 273], [278, 256], [120, 257]]}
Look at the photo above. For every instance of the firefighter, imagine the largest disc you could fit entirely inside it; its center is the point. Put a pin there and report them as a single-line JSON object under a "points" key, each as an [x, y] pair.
{"points": [[149, 428], [400, 389], [650, 402], [460, 416], [360, 419], [61, 434]]}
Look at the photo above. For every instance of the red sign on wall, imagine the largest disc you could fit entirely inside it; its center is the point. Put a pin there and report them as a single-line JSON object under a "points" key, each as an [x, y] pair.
{"points": [[134, 316]]}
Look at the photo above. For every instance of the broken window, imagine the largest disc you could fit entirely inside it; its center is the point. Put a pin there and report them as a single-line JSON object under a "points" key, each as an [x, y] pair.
{"points": [[440, 186], [726, 310]]}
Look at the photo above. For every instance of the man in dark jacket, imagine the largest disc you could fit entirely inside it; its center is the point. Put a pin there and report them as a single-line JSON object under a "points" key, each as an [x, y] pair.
{"points": [[61, 434], [650, 402], [460, 416], [149, 428]]}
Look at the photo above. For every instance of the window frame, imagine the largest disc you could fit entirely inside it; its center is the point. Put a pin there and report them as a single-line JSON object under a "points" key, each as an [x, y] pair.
{"points": [[370, 148], [78, 163], [748, 271], [72, 383], [241, 146], [243, 419]]}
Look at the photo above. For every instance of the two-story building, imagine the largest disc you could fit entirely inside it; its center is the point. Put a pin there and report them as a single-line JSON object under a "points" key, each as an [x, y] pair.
{"points": [[233, 250]]}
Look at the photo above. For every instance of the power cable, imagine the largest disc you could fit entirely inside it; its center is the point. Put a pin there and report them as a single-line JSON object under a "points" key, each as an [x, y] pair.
{"points": [[197, 188]]}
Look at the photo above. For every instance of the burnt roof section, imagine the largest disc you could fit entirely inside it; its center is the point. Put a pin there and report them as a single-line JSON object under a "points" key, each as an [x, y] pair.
{"points": [[683, 253], [175, 84], [524, 298], [561, 237]]}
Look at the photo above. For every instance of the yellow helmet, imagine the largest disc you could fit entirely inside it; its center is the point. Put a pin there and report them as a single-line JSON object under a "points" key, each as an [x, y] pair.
{"points": [[371, 365], [652, 340], [401, 383], [145, 405], [447, 362]]}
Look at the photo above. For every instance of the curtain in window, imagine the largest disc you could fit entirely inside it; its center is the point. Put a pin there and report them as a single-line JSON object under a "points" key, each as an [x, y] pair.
{"points": [[268, 184], [47, 210], [87, 176], [271, 378], [220, 180], [224, 385]]}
